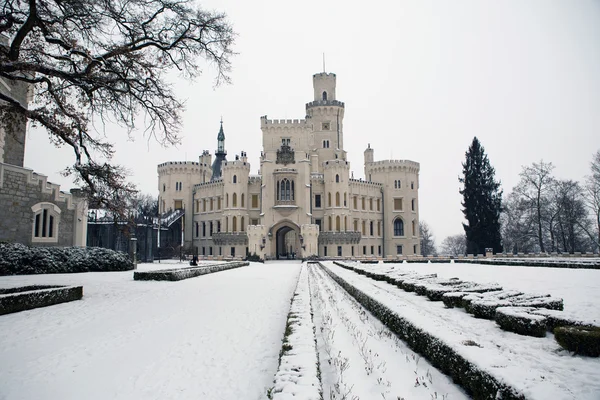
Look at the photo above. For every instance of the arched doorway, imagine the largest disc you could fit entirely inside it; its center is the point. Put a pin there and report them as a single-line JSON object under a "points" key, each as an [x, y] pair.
{"points": [[287, 241]]}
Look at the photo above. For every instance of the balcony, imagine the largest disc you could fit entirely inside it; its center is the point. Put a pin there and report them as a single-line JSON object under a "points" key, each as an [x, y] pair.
{"points": [[230, 238], [349, 237]]}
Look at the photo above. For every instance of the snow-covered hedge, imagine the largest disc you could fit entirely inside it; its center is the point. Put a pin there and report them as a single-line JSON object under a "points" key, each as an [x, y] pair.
{"points": [[28, 297], [178, 274], [583, 340], [298, 374], [18, 259], [556, 318], [549, 263], [484, 305], [477, 382], [521, 320]]}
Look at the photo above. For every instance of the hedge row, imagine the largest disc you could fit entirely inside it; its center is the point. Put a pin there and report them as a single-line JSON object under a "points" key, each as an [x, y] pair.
{"points": [[178, 274], [520, 320], [18, 259], [29, 297], [477, 382], [534, 263], [298, 374]]}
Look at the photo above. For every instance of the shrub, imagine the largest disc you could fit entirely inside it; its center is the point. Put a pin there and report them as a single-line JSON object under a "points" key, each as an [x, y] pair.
{"points": [[179, 274], [18, 259], [520, 320], [583, 340], [556, 318], [254, 257], [454, 299], [29, 297]]}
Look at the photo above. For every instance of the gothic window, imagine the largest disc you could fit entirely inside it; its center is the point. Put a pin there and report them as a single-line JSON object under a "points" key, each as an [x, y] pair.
{"points": [[337, 223], [364, 230], [337, 199], [242, 200], [226, 224], [210, 229], [203, 229], [325, 96], [378, 205], [329, 199], [414, 228], [337, 178], [234, 200], [164, 187], [226, 200], [412, 204], [378, 228], [46, 217], [345, 223], [395, 184], [330, 224], [285, 190], [398, 227], [197, 225], [325, 144], [371, 228], [371, 204], [242, 224], [363, 203], [412, 185], [218, 203], [203, 205], [211, 204], [235, 179], [344, 199], [317, 201], [234, 223]]}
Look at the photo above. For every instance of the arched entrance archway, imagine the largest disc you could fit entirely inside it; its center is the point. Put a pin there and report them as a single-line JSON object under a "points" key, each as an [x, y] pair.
{"points": [[287, 240]]}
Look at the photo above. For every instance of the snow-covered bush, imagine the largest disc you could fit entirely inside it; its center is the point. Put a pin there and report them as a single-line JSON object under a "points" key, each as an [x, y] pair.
{"points": [[178, 274], [298, 375], [28, 297], [521, 320], [454, 299], [484, 305], [583, 340], [556, 318], [18, 259]]}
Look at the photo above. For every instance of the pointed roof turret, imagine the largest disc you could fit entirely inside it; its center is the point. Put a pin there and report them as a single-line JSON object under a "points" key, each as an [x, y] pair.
{"points": [[220, 154], [221, 136]]}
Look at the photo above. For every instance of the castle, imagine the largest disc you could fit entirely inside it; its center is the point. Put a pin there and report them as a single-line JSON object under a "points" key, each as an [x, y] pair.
{"points": [[304, 201]]}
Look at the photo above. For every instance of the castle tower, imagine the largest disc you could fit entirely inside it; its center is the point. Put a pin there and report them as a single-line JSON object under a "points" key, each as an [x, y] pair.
{"points": [[220, 154], [369, 155], [327, 115]]}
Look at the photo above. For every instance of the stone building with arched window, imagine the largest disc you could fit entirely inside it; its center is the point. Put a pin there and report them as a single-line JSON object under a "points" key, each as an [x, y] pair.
{"points": [[304, 200]]}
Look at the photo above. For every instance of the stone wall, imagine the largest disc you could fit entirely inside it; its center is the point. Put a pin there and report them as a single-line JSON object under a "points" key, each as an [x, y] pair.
{"points": [[20, 189]]}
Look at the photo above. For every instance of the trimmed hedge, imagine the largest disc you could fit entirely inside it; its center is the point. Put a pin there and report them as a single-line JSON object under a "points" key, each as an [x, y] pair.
{"points": [[556, 318], [535, 263], [520, 320], [29, 297], [178, 274], [485, 307], [477, 382], [18, 259], [583, 340]]}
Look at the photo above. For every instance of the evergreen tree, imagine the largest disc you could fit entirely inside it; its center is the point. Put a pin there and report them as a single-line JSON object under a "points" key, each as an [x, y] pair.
{"points": [[482, 201]]}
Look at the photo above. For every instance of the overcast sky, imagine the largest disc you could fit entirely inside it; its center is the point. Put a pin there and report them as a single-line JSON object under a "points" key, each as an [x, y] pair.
{"points": [[419, 79]]}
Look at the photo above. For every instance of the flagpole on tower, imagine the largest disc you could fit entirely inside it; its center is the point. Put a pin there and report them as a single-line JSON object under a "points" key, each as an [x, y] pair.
{"points": [[323, 62]]}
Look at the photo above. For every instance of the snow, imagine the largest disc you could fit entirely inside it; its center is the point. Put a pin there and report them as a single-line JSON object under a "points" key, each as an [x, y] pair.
{"points": [[217, 336], [537, 367], [579, 288]]}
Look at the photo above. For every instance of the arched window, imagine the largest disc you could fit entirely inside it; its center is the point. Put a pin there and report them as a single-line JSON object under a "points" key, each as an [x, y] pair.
{"points": [[235, 179], [325, 96], [46, 218], [337, 199], [226, 200], [234, 223], [337, 178], [414, 228], [292, 190], [164, 187], [277, 192], [242, 200], [285, 190], [329, 199], [345, 223], [234, 200], [398, 227], [344, 199], [242, 228], [337, 223], [226, 224], [330, 224]]}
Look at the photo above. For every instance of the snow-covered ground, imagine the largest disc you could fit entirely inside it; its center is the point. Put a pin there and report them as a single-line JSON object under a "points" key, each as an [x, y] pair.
{"points": [[213, 337], [537, 367], [361, 358], [580, 288]]}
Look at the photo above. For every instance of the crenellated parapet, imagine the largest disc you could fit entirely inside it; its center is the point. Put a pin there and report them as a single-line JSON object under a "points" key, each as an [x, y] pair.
{"points": [[283, 123], [324, 103], [210, 184], [180, 167], [394, 165], [366, 184]]}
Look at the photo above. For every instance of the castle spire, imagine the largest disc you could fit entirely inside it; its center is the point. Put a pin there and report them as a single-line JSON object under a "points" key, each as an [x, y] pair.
{"points": [[221, 139]]}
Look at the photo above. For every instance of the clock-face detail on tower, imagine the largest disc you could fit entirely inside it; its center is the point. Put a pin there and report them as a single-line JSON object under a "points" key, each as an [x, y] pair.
{"points": [[325, 126]]}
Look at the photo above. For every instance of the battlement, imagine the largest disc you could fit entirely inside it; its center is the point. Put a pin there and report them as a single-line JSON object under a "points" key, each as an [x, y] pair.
{"points": [[280, 123], [325, 103], [168, 163], [235, 164], [360, 182], [324, 75], [216, 182], [394, 164]]}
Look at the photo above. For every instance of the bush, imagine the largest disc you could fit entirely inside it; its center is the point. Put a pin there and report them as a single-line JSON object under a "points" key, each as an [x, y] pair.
{"points": [[18, 259], [556, 318], [520, 320], [179, 274], [254, 257], [583, 340], [454, 299]]}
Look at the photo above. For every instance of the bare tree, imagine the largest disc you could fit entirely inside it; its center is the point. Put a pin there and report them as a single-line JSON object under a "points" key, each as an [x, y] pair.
{"points": [[592, 196], [518, 226], [106, 61], [455, 245], [427, 239], [569, 221], [534, 187]]}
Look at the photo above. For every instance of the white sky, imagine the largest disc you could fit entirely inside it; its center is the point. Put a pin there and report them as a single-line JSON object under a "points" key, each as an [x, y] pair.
{"points": [[419, 79]]}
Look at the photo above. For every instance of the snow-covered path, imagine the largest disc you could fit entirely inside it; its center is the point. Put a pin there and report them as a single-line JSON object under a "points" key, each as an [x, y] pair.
{"points": [[361, 358], [213, 337]]}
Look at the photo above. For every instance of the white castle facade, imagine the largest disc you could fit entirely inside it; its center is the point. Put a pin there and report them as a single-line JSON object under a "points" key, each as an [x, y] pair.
{"points": [[303, 201]]}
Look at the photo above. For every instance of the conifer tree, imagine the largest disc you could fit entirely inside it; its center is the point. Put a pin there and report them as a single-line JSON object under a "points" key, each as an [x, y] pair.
{"points": [[482, 201]]}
